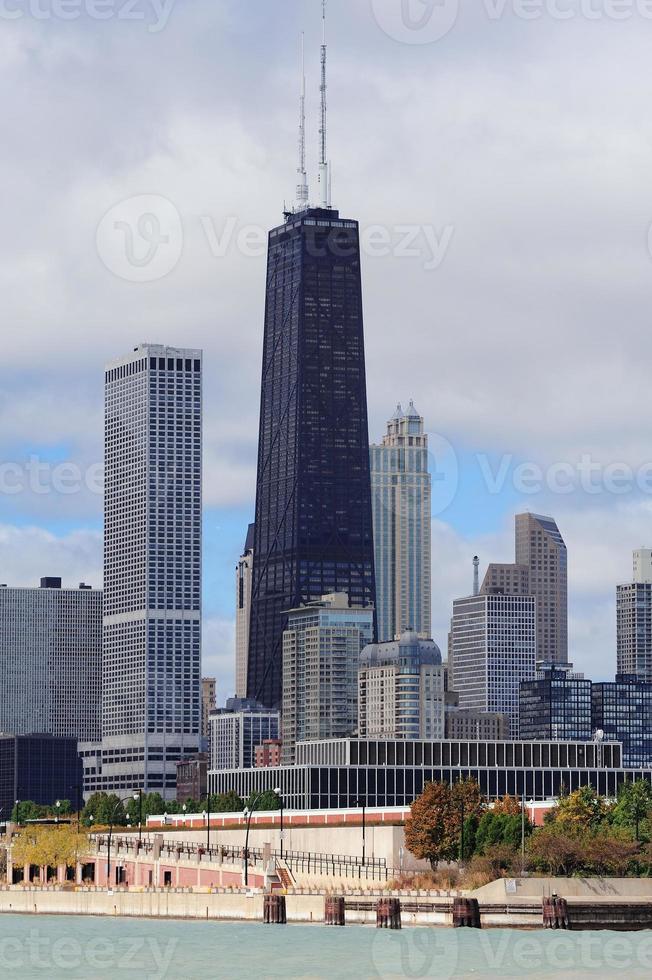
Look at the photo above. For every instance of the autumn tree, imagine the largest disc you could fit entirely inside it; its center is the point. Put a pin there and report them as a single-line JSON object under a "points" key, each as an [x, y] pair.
{"points": [[508, 805], [49, 845], [426, 833], [580, 812], [554, 850]]}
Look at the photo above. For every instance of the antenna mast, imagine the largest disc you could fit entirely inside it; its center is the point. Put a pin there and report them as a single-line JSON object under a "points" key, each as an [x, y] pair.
{"points": [[303, 191], [324, 166]]}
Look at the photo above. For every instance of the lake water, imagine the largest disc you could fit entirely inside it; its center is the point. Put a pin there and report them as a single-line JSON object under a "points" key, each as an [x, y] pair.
{"points": [[63, 947]]}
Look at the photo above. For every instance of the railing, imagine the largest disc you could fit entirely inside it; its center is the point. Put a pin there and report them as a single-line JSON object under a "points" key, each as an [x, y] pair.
{"points": [[303, 862]]}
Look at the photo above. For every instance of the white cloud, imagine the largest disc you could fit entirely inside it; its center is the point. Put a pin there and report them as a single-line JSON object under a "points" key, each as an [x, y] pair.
{"points": [[29, 553]]}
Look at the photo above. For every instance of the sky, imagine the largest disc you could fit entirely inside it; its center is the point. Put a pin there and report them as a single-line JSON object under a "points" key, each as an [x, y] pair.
{"points": [[498, 156]]}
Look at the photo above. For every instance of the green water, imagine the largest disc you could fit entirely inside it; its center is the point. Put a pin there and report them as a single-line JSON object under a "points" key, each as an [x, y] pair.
{"points": [[64, 947]]}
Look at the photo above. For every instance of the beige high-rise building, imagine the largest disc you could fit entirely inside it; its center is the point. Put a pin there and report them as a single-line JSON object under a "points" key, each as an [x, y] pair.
{"points": [[508, 579], [540, 547], [243, 574], [401, 506]]}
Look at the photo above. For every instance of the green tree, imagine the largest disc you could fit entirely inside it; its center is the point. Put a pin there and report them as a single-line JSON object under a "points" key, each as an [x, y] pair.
{"points": [[105, 809], [227, 803], [153, 804], [633, 808], [268, 800], [26, 810]]}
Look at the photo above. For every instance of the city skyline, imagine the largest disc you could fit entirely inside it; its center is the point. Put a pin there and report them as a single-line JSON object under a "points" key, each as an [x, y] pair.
{"points": [[52, 409]]}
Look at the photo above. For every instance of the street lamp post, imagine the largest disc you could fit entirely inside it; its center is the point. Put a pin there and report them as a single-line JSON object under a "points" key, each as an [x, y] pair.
{"points": [[248, 814], [138, 795], [278, 793], [208, 821], [58, 806], [363, 804], [108, 854]]}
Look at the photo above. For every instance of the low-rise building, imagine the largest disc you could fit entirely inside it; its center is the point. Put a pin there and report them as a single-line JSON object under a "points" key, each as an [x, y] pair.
{"points": [[268, 754], [192, 778], [468, 724]]}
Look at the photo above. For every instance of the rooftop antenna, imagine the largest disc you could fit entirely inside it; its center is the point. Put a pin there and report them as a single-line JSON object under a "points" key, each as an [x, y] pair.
{"points": [[303, 191], [324, 166], [476, 576]]}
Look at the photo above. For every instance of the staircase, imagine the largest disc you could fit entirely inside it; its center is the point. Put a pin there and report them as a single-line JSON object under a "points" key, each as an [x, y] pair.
{"points": [[287, 881]]}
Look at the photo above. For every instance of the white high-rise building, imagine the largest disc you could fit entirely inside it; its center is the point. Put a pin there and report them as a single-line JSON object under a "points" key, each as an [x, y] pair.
{"points": [[51, 660], [634, 620], [321, 656], [643, 566], [492, 649], [401, 505], [243, 581], [151, 702], [401, 690]]}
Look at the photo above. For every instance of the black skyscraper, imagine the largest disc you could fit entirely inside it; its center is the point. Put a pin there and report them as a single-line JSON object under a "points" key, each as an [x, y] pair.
{"points": [[313, 529]]}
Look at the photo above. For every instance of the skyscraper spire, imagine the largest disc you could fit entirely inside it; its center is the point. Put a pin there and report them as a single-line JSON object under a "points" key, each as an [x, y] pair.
{"points": [[324, 165], [303, 191]]}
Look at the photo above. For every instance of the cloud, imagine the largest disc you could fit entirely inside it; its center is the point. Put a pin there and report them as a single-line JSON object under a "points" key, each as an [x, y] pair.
{"points": [[29, 553], [531, 338]]}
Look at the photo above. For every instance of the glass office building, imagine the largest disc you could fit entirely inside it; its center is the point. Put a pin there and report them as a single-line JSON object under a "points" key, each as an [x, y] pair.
{"points": [[555, 705], [622, 710], [313, 526]]}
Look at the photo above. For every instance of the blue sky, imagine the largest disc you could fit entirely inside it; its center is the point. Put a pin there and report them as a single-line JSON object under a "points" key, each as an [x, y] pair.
{"points": [[500, 171]]}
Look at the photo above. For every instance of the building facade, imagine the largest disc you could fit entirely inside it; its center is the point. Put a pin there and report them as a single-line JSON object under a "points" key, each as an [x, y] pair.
{"points": [[634, 620], [470, 725], [151, 714], [208, 704], [321, 656], [40, 768], [192, 778], [622, 712], [540, 547], [351, 772], [492, 649], [313, 526], [401, 507], [401, 689], [268, 754], [243, 573], [238, 729], [556, 705], [51, 658]]}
